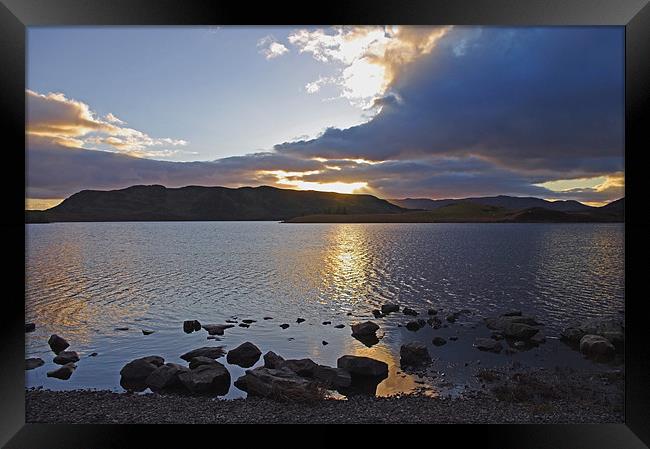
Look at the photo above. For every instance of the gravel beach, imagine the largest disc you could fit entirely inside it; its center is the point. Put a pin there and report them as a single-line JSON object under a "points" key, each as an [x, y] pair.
{"points": [[522, 397]]}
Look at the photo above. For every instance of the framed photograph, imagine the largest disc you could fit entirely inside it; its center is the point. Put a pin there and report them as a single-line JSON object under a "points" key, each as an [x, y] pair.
{"points": [[395, 213]]}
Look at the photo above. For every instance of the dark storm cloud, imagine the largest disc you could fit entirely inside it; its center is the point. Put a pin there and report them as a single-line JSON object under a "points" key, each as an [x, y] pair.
{"points": [[529, 99]]}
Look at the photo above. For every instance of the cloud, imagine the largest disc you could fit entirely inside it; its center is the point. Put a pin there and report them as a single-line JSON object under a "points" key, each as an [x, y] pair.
{"points": [[270, 48], [368, 58], [55, 120]]}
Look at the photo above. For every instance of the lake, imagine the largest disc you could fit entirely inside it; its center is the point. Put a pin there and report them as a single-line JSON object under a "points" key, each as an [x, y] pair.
{"points": [[84, 280]]}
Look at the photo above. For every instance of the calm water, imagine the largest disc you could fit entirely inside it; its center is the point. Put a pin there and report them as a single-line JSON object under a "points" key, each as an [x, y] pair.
{"points": [[86, 279]]}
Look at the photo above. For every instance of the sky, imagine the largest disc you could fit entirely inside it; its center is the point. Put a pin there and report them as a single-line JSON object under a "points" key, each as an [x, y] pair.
{"points": [[395, 111]]}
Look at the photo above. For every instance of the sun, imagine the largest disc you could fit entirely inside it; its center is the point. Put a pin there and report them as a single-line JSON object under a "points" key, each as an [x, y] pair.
{"points": [[337, 187]]}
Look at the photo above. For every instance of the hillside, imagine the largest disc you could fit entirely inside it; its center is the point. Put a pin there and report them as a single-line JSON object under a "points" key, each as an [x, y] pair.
{"points": [[507, 202], [194, 203]]}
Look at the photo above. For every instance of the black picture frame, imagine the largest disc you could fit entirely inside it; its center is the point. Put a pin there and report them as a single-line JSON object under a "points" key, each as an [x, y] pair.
{"points": [[634, 15]]}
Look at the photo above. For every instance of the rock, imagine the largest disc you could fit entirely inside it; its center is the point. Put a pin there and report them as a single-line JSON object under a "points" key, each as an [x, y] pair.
{"points": [[213, 337], [232, 321], [453, 338], [121, 328], [249, 321], [64, 372], [367, 328], [499, 323], [213, 378], [414, 354], [349, 314], [413, 326], [213, 352], [377, 313], [324, 343], [165, 376], [439, 341], [610, 328], [279, 383], [325, 323], [94, 354], [572, 335], [520, 345], [65, 357], [217, 329], [244, 355], [389, 308], [147, 332], [244, 325], [332, 377], [300, 320], [597, 347], [512, 313], [615, 338], [190, 326], [57, 344], [519, 331], [33, 363], [362, 366], [198, 361], [451, 318], [284, 326], [434, 321], [268, 318], [432, 312], [30, 327], [496, 336], [340, 326], [139, 369], [409, 311], [538, 339], [272, 360], [302, 367], [487, 344]]}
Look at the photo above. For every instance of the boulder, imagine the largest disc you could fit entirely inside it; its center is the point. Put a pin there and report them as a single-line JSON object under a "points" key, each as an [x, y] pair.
{"points": [[597, 347], [414, 354], [284, 326], [57, 344], [165, 376], [389, 308], [65, 357], [332, 377], [213, 378], [139, 369], [30, 327], [216, 329], [439, 341], [64, 372], [487, 344], [499, 323], [610, 328], [432, 312], [33, 363], [367, 328], [413, 326], [519, 331], [302, 367], [409, 311], [279, 383], [213, 352], [244, 355], [190, 326], [362, 366], [300, 320], [272, 360], [198, 361], [572, 335]]}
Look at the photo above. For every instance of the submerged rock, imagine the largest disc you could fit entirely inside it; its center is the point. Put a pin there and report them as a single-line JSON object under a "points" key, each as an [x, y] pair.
{"points": [[324, 343], [610, 328], [487, 344], [190, 326], [284, 326], [499, 323], [362, 366], [216, 329], [377, 313], [597, 347], [213, 352], [244, 355], [340, 326], [439, 341], [389, 308], [414, 325], [213, 378], [33, 363], [432, 312], [325, 323], [364, 329], [409, 311], [30, 327], [249, 321], [64, 372], [65, 357], [519, 331], [300, 320], [512, 313], [268, 318], [57, 344], [414, 354], [244, 325]]}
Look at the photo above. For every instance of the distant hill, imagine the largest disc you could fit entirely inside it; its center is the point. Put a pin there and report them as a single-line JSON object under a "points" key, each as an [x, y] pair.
{"points": [[194, 203], [468, 212], [507, 202]]}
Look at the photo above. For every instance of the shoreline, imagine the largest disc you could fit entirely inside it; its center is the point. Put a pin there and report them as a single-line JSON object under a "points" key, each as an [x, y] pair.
{"points": [[524, 396]]}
